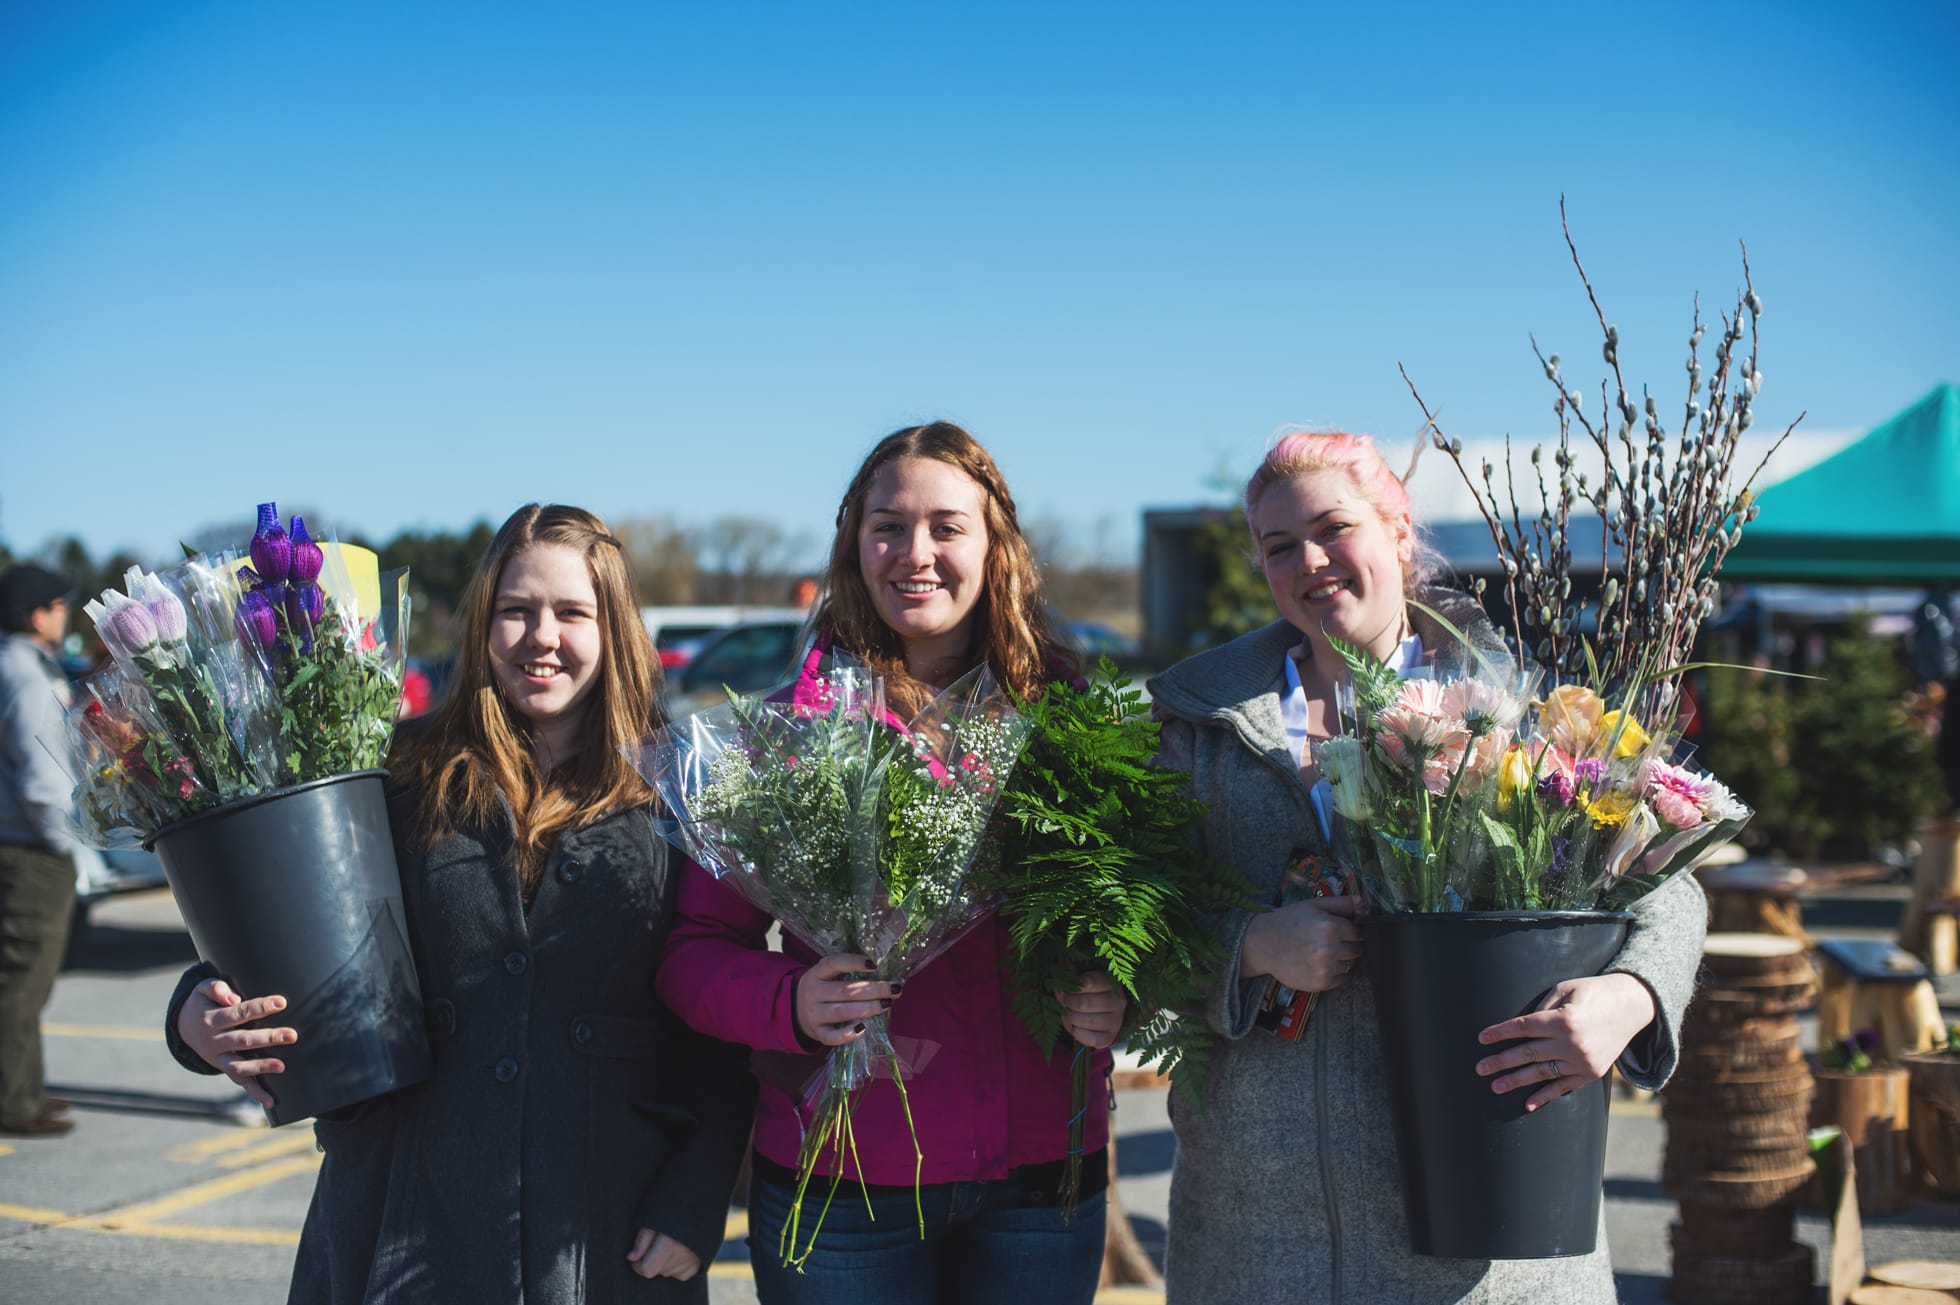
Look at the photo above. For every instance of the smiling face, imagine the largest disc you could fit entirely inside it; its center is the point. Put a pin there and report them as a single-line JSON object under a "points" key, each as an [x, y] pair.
{"points": [[922, 550], [1333, 564], [545, 640]]}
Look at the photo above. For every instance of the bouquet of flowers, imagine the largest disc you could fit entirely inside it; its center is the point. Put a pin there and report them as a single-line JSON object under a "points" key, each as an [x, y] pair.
{"points": [[856, 831], [1590, 813], [1411, 780], [1099, 871], [230, 680]]}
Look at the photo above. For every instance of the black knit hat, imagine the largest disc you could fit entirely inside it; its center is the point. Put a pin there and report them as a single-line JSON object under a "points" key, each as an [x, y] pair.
{"points": [[24, 590]]}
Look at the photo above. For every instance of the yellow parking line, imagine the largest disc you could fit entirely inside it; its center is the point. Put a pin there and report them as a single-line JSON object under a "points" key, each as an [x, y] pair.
{"points": [[1130, 1296], [149, 1212], [6, 1148], [209, 1233], [118, 1032], [292, 1144], [738, 1225], [32, 1214], [198, 1152]]}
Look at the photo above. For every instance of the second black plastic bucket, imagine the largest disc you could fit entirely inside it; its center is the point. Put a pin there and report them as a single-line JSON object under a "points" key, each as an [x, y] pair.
{"points": [[1482, 1179], [296, 892]]}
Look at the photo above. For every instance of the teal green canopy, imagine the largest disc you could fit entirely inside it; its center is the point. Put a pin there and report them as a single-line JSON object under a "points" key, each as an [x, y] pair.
{"points": [[1885, 510]]}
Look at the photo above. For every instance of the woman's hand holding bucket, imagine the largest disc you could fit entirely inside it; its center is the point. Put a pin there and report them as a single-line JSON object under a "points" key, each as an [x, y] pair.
{"points": [[211, 1025]]}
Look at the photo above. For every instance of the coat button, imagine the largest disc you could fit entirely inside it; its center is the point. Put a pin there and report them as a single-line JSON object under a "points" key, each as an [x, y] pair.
{"points": [[581, 1032], [506, 1070], [516, 963], [444, 1012], [570, 872]]}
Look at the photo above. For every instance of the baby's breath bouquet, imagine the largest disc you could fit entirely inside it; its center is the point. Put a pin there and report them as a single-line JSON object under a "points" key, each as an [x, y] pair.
{"points": [[856, 831]]}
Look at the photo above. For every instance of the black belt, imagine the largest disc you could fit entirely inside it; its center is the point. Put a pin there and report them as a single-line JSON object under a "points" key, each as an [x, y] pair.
{"points": [[1040, 1183]]}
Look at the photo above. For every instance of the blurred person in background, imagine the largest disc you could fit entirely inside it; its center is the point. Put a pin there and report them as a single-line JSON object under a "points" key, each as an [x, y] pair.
{"points": [[37, 842]]}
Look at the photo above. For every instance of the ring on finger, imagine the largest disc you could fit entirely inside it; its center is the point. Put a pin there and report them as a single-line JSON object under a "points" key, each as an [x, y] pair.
{"points": [[1552, 1065]]}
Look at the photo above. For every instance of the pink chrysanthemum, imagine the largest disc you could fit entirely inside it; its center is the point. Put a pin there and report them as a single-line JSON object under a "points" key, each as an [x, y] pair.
{"points": [[1678, 796]]}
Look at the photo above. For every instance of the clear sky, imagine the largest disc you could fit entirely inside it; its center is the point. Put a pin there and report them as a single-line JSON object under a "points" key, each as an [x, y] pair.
{"points": [[417, 264]]}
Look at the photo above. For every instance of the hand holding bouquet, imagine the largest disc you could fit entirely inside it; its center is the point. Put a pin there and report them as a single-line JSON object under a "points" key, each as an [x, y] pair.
{"points": [[854, 830]]}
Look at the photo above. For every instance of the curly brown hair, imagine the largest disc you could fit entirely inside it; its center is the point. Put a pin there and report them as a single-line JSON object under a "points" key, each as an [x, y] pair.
{"points": [[1012, 632]]}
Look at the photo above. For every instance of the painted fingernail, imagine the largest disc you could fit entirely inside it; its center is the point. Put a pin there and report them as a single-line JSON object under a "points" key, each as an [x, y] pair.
{"points": [[858, 1027], [898, 988], [886, 1004]]}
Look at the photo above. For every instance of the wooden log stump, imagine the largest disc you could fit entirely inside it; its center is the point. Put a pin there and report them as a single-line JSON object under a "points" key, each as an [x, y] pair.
{"points": [[1933, 1130], [1756, 909], [1936, 872], [1926, 1275], [1881, 988], [1124, 1259], [1872, 1108]]}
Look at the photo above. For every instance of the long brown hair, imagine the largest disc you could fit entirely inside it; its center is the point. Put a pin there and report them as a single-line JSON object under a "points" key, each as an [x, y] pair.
{"points": [[1013, 634], [475, 753]]}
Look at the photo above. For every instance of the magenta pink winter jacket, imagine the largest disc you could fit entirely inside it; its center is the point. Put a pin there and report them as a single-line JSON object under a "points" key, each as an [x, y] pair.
{"points": [[986, 1101]]}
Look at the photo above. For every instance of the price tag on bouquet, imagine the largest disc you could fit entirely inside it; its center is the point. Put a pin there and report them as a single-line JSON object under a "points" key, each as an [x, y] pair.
{"points": [[1308, 875]]}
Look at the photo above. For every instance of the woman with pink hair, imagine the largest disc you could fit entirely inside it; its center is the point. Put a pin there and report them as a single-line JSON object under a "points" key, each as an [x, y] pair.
{"points": [[1287, 1185]]}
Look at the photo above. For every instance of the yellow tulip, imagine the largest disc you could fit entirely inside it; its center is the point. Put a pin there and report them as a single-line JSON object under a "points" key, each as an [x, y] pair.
{"points": [[1513, 777]]}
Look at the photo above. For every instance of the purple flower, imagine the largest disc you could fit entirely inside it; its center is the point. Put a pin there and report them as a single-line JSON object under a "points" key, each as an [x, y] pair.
{"points": [[305, 605], [1561, 858], [1589, 772], [1557, 785], [272, 551], [131, 628], [1865, 1040], [256, 620], [306, 554], [168, 614]]}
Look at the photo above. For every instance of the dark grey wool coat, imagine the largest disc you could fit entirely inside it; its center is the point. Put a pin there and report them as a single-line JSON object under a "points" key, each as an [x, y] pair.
{"points": [[568, 1108], [1287, 1187]]}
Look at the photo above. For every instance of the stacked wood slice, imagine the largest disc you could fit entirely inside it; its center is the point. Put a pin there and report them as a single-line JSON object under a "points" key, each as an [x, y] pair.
{"points": [[1738, 1113]]}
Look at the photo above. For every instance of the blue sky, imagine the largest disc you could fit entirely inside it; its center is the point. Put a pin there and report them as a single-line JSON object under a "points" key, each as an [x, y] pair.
{"points": [[419, 264]]}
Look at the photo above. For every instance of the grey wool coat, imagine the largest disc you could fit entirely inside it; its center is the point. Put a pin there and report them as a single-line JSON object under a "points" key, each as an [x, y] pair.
{"points": [[1286, 1186], [568, 1107]]}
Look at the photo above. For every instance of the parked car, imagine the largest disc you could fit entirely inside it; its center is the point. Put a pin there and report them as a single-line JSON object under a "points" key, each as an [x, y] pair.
{"points": [[745, 658], [679, 632]]}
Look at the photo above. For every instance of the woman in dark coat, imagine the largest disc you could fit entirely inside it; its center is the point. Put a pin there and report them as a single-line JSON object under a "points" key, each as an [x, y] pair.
{"points": [[576, 1142]]}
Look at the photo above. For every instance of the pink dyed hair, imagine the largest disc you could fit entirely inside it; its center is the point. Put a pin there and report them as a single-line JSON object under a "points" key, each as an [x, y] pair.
{"points": [[1303, 452]]}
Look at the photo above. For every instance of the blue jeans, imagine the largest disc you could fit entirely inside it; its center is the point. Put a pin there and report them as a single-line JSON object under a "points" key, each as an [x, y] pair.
{"points": [[985, 1243]]}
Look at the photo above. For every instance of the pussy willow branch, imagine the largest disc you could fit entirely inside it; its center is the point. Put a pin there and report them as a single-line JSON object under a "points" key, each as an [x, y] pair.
{"points": [[1670, 511]]}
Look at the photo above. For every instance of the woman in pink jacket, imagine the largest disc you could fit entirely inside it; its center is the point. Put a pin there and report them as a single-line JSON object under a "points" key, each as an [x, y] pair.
{"points": [[929, 576]]}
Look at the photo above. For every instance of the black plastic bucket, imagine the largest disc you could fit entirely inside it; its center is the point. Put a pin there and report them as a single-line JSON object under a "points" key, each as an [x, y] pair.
{"points": [[1481, 1179], [296, 892]]}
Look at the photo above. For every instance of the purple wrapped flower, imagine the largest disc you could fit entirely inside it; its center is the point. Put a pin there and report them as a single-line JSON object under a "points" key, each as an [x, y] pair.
{"points": [[168, 614], [257, 622], [272, 550], [1589, 772], [1556, 785], [305, 605], [131, 628], [307, 558]]}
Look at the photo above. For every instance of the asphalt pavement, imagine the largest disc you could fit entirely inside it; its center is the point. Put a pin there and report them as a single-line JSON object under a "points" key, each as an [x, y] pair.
{"points": [[171, 1190]]}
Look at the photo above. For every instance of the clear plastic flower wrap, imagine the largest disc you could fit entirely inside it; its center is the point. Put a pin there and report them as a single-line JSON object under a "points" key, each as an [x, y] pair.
{"points": [[1411, 777], [225, 685], [1593, 812], [858, 832], [130, 777], [331, 645]]}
